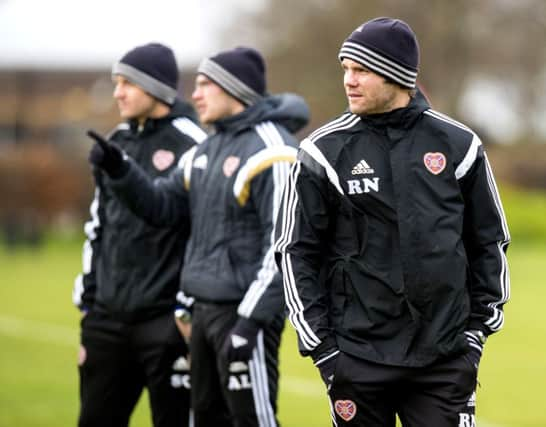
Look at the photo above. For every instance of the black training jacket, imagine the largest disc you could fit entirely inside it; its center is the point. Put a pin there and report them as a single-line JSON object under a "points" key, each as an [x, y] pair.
{"points": [[130, 268], [230, 187], [392, 238]]}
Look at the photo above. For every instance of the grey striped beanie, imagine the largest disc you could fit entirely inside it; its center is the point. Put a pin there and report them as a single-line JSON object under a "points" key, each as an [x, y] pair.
{"points": [[240, 72], [386, 46], [153, 68]]}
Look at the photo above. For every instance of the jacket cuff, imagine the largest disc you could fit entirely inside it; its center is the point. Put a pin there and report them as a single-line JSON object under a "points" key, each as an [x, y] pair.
{"points": [[87, 303], [184, 301], [248, 325], [476, 325], [475, 341], [326, 348]]}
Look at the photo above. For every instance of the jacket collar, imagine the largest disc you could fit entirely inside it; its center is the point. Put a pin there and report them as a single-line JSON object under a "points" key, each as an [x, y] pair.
{"points": [[287, 109], [179, 109], [401, 118]]}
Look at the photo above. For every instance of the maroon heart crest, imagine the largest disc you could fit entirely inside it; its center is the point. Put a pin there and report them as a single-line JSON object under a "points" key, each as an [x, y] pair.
{"points": [[434, 162], [230, 165], [162, 159], [346, 409]]}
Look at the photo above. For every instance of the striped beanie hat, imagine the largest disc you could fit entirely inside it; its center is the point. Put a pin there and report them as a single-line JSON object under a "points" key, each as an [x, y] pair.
{"points": [[386, 46], [240, 72], [153, 68]]}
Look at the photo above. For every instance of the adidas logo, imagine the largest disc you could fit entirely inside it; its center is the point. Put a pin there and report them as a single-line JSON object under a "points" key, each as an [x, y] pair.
{"points": [[362, 168], [472, 400], [238, 341], [181, 364], [201, 162]]}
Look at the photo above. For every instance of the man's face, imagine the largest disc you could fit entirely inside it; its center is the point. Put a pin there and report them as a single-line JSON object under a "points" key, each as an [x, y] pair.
{"points": [[212, 102], [368, 92], [133, 102]]}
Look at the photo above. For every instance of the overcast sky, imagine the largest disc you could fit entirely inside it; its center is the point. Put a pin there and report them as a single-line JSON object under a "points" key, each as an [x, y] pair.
{"points": [[83, 33]]}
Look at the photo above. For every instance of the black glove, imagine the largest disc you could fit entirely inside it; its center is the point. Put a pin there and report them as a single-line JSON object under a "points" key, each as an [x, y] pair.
{"points": [[241, 340], [474, 356], [106, 156], [476, 341], [327, 366]]}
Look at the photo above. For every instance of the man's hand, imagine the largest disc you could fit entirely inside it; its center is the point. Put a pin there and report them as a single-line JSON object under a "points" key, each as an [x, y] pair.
{"points": [[183, 314], [185, 329], [106, 156], [327, 367], [241, 340]]}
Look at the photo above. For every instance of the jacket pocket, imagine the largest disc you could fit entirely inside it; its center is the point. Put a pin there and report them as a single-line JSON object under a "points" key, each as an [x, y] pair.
{"points": [[374, 308], [349, 233], [338, 294]]}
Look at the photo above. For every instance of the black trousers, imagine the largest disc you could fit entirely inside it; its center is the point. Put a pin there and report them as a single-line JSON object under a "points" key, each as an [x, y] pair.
{"points": [[236, 395], [118, 359], [370, 395]]}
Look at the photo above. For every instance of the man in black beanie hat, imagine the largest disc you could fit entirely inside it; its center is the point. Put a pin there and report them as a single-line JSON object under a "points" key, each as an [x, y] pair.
{"points": [[127, 290], [229, 188], [392, 244]]}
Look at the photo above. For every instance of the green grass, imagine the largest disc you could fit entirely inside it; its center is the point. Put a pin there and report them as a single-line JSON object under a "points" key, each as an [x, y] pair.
{"points": [[513, 372], [39, 346], [525, 212], [39, 343]]}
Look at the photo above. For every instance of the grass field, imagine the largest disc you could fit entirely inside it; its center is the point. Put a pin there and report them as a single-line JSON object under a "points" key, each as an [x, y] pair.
{"points": [[39, 342]]}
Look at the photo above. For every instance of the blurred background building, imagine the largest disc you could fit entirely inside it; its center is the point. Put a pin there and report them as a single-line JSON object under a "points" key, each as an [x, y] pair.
{"points": [[483, 63]]}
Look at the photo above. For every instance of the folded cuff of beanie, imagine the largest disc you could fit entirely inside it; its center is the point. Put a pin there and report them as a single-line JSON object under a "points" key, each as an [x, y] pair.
{"points": [[149, 84], [229, 82], [378, 63]]}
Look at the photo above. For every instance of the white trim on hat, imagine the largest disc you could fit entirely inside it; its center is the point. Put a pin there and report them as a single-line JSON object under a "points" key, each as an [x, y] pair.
{"points": [[378, 63], [150, 84], [228, 82]]}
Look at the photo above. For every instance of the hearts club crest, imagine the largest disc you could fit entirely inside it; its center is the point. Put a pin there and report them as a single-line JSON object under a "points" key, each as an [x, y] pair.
{"points": [[230, 165], [162, 159], [346, 409], [434, 162]]}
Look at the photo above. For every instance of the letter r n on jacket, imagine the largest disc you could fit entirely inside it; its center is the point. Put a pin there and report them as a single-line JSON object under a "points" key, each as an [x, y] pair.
{"points": [[364, 185]]}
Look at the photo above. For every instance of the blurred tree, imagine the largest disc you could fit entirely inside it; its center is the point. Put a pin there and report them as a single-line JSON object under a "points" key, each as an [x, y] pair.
{"points": [[461, 41], [41, 186]]}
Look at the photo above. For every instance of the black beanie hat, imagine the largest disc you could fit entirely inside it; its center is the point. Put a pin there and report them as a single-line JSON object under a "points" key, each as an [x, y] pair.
{"points": [[386, 46], [240, 72], [153, 68]]}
